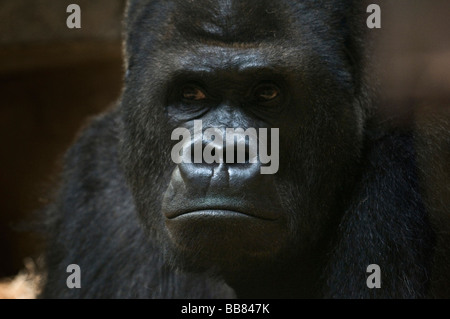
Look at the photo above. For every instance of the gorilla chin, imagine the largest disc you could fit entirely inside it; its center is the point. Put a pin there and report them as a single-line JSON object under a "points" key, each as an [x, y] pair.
{"points": [[222, 238]]}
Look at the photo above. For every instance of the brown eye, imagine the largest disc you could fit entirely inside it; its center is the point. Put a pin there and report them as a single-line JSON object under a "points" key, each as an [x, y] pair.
{"points": [[192, 93], [266, 92]]}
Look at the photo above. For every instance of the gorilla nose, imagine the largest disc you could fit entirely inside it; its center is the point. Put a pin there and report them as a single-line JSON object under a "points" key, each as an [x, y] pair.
{"points": [[227, 167], [217, 175]]}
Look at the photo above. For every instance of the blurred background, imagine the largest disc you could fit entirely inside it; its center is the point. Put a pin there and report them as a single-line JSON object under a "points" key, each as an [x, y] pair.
{"points": [[52, 79]]}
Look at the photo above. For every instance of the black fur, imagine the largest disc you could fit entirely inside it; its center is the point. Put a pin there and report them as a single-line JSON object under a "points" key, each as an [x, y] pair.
{"points": [[349, 192]]}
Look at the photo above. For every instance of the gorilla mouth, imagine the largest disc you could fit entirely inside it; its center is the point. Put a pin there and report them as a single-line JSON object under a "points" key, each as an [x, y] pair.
{"points": [[216, 213]]}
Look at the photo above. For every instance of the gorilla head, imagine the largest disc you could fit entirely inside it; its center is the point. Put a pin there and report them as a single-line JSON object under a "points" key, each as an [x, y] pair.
{"points": [[288, 65]]}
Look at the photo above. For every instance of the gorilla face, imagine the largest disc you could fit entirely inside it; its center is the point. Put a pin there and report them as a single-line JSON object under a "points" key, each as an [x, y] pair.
{"points": [[235, 64]]}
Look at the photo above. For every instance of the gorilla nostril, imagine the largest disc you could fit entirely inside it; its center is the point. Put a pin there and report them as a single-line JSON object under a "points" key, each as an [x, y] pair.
{"points": [[195, 173]]}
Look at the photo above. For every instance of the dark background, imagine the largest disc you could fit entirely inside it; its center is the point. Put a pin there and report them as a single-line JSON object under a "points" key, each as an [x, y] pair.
{"points": [[53, 78]]}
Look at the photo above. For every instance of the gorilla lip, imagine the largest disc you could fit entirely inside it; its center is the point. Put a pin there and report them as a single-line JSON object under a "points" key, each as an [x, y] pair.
{"points": [[215, 212]]}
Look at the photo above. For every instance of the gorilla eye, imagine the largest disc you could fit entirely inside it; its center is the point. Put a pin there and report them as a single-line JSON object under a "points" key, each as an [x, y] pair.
{"points": [[192, 93], [266, 92]]}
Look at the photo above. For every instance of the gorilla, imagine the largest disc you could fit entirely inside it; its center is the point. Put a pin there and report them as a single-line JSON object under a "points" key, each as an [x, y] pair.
{"points": [[345, 194]]}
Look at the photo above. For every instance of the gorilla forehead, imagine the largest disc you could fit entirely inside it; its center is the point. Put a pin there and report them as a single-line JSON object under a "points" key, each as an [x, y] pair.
{"points": [[277, 33], [213, 59], [230, 20], [233, 21], [250, 23]]}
